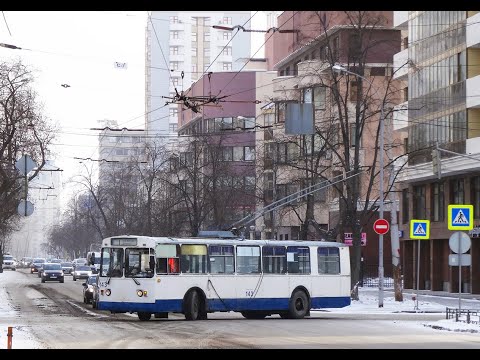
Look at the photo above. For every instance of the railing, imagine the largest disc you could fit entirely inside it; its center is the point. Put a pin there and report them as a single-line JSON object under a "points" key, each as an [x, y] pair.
{"points": [[463, 315]]}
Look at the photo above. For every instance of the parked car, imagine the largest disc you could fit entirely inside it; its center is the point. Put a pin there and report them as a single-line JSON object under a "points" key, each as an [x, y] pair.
{"points": [[9, 262], [52, 272], [36, 263], [67, 268], [81, 272], [89, 289]]}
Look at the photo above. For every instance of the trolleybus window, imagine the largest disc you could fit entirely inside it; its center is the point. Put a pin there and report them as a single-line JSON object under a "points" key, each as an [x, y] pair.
{"points": [[112, 262], [248, 259], [137, 263], [274, 259], [168, 257], [298, 260], [328, 260], [193, 259], [221, 259]]}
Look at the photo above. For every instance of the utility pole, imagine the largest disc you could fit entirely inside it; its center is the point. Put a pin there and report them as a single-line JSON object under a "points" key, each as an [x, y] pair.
{"points": [[395, 241]]}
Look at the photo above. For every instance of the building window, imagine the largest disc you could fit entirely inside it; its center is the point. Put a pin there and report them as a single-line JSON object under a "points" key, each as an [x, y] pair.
{"points": [[174, 19], [194, 51], [377, 71], [174, 65], [175, 80], [353, 136], [206, 51], [227, 51], [206, 37], [475, 196], [457, 195], [419, 202], [173, 50], [354, 90], [172, 127], [280, 110], [317, 95], [194, 37], [438, 202], [174, 35], [226, 35], [174, 112], [227, 66], [206, 21], [227, 20]]}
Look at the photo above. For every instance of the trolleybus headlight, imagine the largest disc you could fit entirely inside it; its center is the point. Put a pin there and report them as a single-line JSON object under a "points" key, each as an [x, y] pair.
{"points": [[140, 293], [108, 292]]}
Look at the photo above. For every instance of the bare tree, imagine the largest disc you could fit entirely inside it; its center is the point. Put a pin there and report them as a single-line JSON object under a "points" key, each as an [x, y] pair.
{"points": [[23, 130]]}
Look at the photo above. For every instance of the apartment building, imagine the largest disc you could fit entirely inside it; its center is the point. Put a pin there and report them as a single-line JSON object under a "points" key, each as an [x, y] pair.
{"points": [[303, 56], [181, 46], [440, 60]]}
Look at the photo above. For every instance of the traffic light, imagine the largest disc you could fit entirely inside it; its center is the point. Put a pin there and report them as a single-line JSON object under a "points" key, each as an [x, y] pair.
{"points": [[436, 163]]}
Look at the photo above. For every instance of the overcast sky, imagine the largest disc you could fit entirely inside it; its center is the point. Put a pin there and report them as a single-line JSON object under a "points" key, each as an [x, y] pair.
{"points": [[79, 48]]}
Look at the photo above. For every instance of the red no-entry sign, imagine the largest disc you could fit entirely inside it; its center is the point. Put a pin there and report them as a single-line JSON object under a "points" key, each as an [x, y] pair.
{"points": [[381, 226]]}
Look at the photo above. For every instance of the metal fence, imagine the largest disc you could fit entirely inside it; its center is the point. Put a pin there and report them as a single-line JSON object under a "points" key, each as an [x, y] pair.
{"points": [[369, 277], [463, 315]]}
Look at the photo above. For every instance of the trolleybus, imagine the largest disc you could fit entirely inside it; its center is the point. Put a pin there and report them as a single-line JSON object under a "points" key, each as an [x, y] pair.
{"points": [[196, 276]]}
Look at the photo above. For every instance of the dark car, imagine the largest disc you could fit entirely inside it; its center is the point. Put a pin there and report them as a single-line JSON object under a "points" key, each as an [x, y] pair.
{"points": [[52, 272], [89, 289], [37, 263], [67, 268]]}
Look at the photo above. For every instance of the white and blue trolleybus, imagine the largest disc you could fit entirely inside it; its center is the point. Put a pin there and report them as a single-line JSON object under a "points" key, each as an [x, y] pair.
{"points": [[196, 276]]}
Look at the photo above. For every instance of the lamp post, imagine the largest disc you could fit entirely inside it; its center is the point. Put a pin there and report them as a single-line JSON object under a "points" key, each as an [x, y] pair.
{"points": [[340, 69]]}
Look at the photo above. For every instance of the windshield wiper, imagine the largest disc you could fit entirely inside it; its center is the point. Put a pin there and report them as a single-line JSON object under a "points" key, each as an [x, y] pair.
{"points": [[135, 280]]}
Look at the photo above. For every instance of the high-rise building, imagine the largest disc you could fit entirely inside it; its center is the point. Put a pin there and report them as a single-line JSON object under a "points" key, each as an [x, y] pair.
{"points": [[181, 46], [441, 61]]}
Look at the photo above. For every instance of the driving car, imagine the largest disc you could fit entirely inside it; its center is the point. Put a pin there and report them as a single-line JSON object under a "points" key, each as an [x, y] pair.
{"points": [[52, 272], [67, 267], [89, 289], [81, 272], [36, 263], [9, 262]]}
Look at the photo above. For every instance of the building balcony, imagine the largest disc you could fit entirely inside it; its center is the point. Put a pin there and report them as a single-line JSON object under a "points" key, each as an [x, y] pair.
{"points": [[400, 64], [473, 92], [400, 116], [473, 31], [400, 20], [284, 87]]}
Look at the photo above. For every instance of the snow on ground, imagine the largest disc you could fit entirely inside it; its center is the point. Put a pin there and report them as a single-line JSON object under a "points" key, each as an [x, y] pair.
{"points": [[367, 304]]}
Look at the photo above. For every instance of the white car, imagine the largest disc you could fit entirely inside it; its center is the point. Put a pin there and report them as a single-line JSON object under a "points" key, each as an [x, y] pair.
{"points": [[9, 262], [81, 272]]}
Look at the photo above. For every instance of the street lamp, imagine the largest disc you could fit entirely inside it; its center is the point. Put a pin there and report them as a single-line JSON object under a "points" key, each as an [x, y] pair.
{"points": [[339, 70]]}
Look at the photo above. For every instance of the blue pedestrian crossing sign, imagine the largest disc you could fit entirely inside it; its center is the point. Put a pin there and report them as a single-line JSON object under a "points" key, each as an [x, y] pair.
{"points": [[460, 217], [420, 229]]}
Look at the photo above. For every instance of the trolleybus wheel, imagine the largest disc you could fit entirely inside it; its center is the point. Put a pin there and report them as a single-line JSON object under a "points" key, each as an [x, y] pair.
{"points": [[254, 314], [192, 306], [144, 316], [299, 305]]}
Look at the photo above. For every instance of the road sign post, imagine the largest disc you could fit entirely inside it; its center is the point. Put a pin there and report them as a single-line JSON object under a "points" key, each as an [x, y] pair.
{"points": [[420, 230], [459, 243]]}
